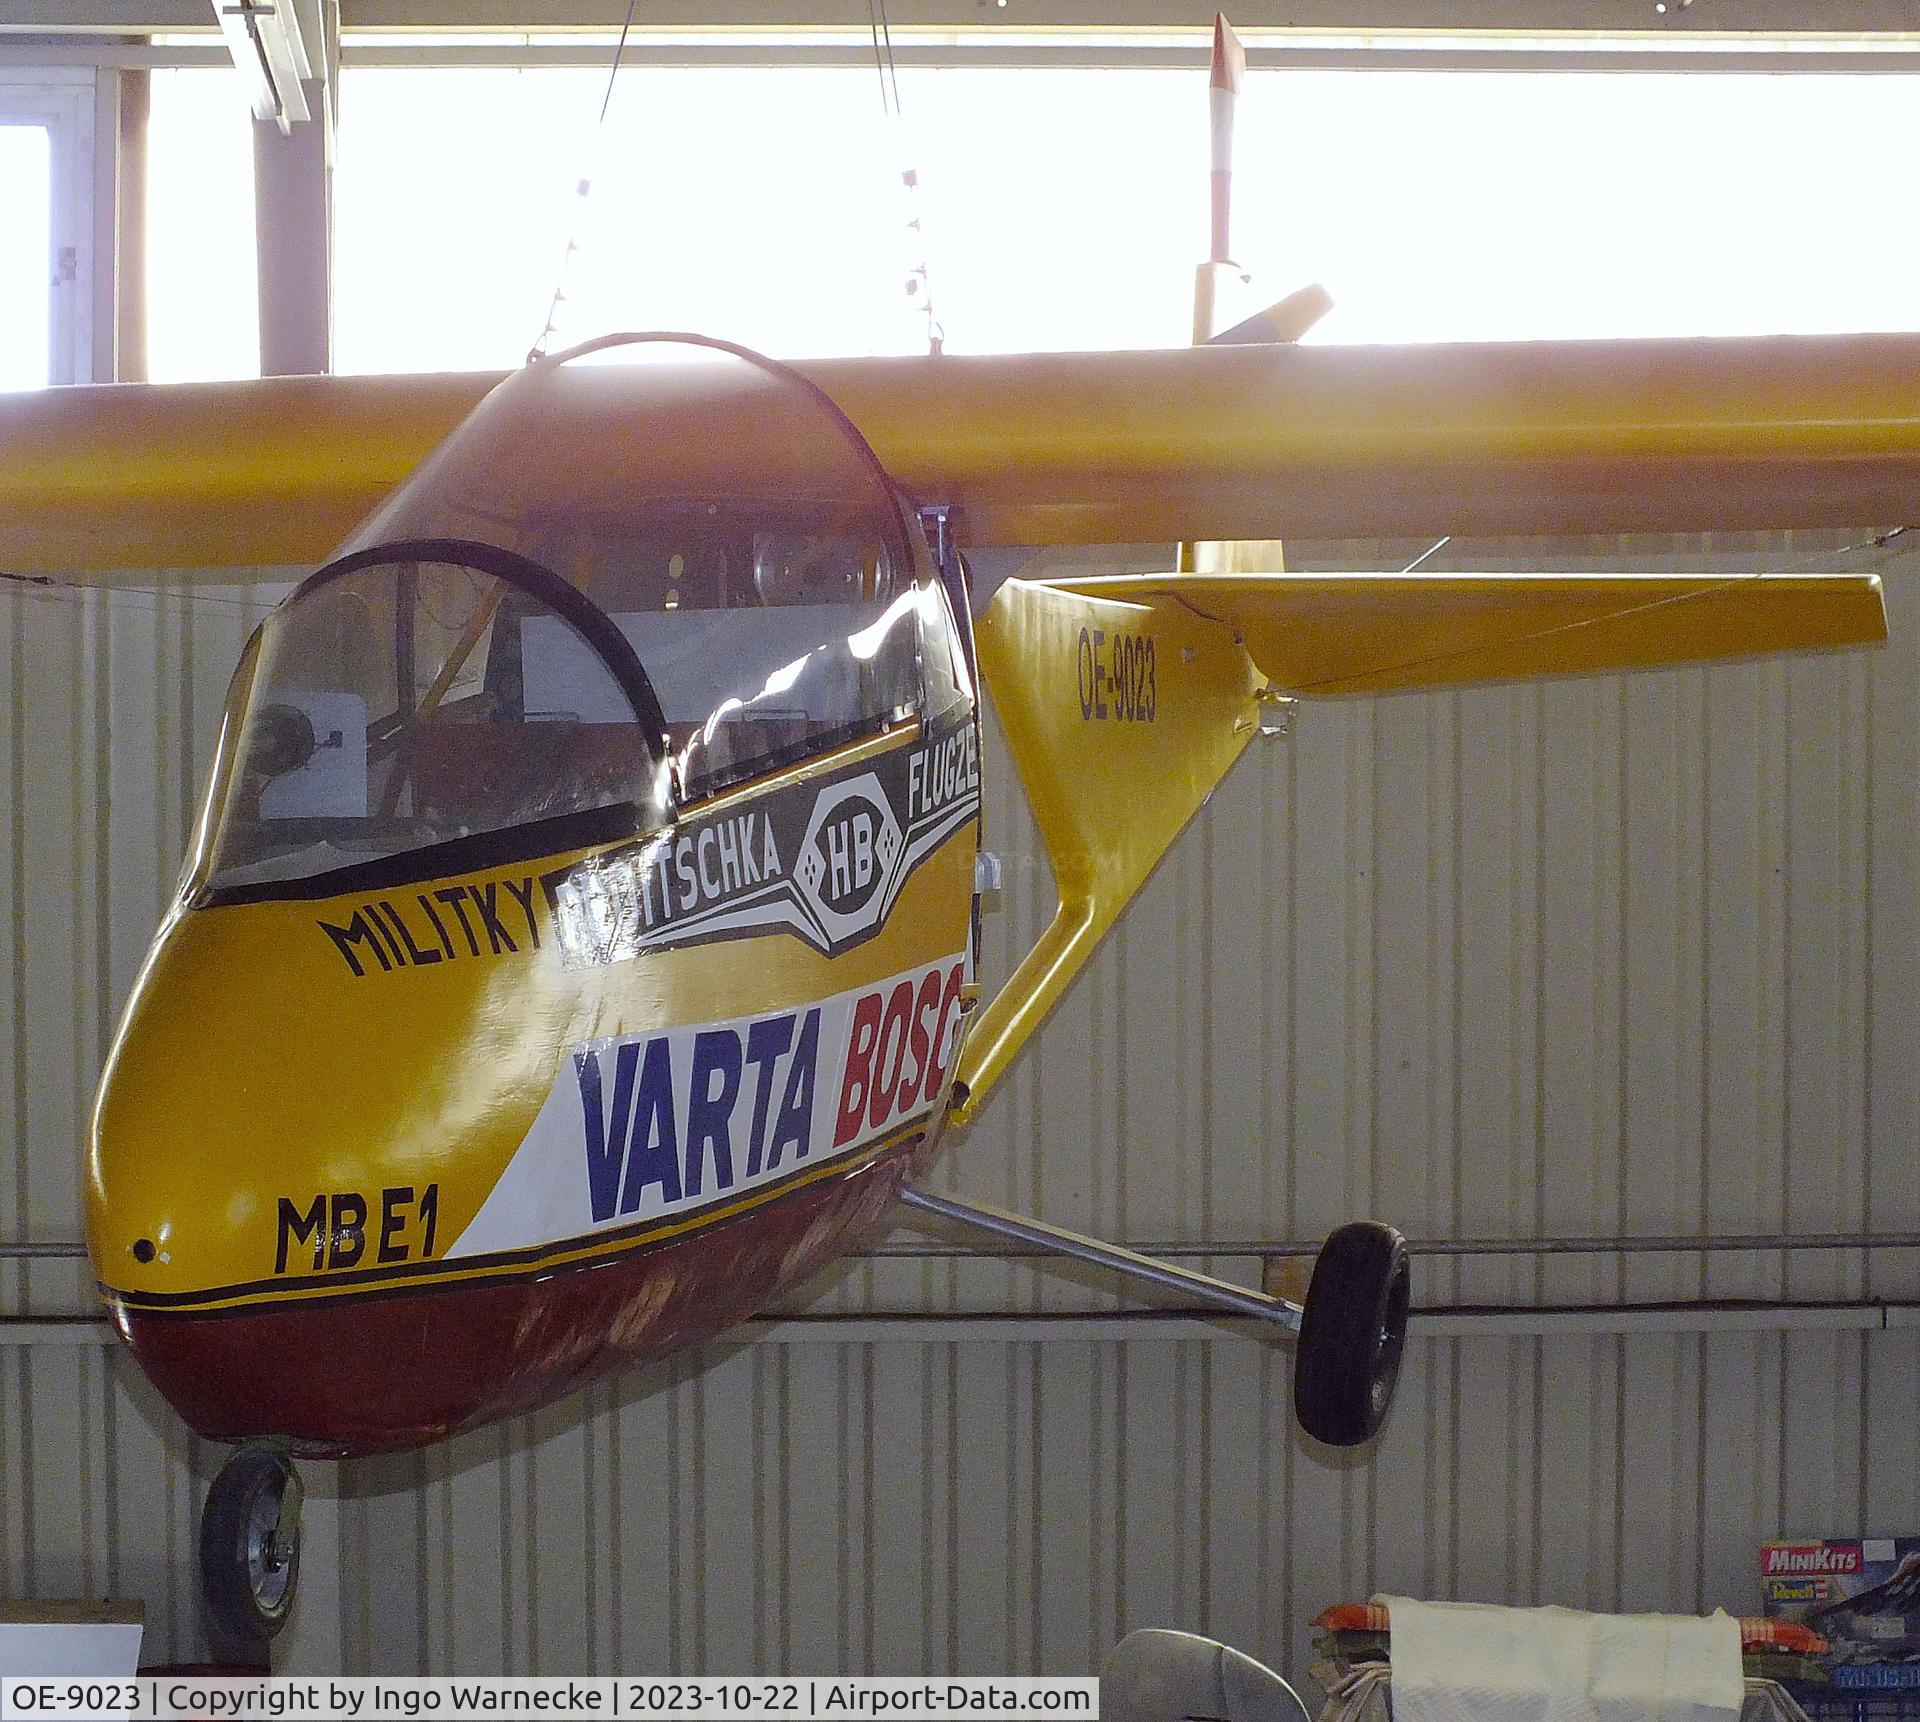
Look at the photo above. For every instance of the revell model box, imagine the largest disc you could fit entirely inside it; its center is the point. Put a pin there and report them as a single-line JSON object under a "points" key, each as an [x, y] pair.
{"points": [[1862, 1594]]}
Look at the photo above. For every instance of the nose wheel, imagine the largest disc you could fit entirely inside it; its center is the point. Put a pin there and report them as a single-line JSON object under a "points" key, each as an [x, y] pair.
{"points": [[250, 1543]]}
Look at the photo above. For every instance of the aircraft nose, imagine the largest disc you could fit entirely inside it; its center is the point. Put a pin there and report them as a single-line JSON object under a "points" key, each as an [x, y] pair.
{"points": [[354, 1207], [276, 1133]]}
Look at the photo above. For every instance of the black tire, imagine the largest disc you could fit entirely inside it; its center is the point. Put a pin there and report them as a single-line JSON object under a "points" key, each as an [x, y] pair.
{"points": [[248, 1569], [1351, 1334]]}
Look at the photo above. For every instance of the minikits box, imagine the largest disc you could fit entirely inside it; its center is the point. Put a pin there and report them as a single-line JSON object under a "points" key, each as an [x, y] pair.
{"points": [[1861, 1594]]}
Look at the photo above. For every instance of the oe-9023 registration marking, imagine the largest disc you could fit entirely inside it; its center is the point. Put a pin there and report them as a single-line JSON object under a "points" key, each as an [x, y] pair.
{"points": [[1116, 676]]}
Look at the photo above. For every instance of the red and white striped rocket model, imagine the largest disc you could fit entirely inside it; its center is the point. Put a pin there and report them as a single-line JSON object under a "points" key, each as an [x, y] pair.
{"points": [[1229, 67]]}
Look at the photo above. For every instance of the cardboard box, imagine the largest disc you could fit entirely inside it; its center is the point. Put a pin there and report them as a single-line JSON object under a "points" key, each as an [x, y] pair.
{"points": [[1862, 1594]]}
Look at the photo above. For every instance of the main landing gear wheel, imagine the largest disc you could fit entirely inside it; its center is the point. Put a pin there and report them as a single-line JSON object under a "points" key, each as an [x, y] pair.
{"points": [[250, 1543], [1352, 1330]]}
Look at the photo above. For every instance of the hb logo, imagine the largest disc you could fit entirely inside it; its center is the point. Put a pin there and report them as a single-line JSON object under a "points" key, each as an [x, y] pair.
{"points": [[848, 855]]}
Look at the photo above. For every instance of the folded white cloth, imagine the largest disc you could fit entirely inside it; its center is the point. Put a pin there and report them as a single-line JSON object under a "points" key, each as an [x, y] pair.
{"points": [[1470, 1662]]}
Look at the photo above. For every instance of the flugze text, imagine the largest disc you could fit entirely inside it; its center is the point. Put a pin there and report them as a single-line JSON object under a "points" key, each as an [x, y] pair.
{"points": [[942, 772]]}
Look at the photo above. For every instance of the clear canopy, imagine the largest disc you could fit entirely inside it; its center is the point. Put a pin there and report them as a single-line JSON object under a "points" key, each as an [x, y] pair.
{"points": [[614, 586]]}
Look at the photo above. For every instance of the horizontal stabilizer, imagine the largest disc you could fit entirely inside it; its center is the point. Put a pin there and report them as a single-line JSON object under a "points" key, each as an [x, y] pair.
{"points": [[1373, 633]]}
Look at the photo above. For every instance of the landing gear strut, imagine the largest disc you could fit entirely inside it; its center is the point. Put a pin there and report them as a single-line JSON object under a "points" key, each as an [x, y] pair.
{"points": [[1351, 1329], [250, 1543]]}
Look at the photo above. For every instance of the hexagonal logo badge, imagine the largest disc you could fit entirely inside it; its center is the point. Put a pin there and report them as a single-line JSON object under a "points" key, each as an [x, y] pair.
{"points": [[847, 857]]}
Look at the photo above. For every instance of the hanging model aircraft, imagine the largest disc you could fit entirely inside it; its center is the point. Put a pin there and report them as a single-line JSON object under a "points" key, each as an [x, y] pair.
{"points": [[578, 944], [579, 941]]}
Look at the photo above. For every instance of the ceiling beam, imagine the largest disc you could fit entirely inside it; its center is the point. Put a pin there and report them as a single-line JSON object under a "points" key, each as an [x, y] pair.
{"points": [[1702, 55], [109, 17], [1066, 54], [1779, 18], [1531, 17]]}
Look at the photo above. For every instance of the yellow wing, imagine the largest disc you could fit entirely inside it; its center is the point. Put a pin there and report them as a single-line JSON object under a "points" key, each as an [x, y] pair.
{"points": [[1194, 443]]}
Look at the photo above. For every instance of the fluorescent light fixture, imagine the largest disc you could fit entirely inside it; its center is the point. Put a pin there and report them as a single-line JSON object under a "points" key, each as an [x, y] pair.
{"points": [[1654, 39], [270, 55]]}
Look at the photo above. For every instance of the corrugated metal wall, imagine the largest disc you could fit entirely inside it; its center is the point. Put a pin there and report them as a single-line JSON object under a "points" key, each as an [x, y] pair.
{"points": [[1623, 956]]}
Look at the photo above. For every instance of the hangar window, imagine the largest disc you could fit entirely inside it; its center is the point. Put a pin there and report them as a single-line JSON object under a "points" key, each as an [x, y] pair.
{"points": [[1062, 207], [25, 266], [203, 306], [46, 225], [1065, 208]]}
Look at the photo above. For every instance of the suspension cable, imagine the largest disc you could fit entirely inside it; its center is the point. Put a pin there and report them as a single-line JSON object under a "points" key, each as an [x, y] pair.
{"points": [[583, 189]]}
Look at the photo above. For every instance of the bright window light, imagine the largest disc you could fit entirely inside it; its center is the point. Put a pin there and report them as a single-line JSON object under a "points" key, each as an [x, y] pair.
{"points": [[1496, 205], [1061, 208], [203, 306], [25, 258], [751, 203], [1066, 209]]}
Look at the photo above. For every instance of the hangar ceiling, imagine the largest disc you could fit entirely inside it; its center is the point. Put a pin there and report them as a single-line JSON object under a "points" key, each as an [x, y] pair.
{"points": [[1773, 18], [1588, 35]]}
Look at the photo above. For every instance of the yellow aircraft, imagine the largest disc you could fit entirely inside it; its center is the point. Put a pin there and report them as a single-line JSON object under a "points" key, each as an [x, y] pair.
{"points": [[578, 945]]}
